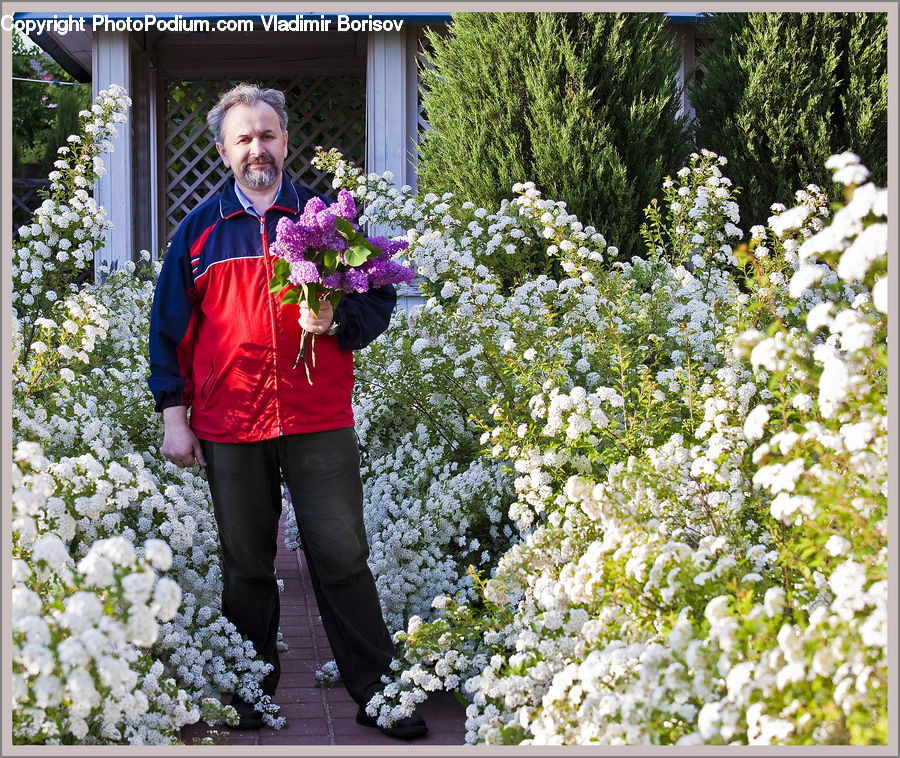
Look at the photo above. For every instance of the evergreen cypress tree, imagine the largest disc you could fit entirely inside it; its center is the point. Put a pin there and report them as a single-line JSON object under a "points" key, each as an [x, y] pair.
{"points": [[864, 98], [585, 105], [780, 92]]}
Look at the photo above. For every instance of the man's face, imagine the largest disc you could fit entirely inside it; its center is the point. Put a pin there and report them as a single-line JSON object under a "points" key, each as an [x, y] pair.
{"points": [[253, 145]]}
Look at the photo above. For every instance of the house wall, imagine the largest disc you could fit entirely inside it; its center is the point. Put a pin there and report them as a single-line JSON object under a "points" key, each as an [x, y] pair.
{"points": [[193, 69], [326, 111], [145, 171], [392, 119]]}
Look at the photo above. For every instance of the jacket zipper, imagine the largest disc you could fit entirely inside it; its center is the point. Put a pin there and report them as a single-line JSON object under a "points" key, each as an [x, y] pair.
{"points": [[272, 316]]}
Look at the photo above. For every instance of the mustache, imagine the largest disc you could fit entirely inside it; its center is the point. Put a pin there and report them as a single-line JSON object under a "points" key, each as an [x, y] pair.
{"points": [[268, 159]]}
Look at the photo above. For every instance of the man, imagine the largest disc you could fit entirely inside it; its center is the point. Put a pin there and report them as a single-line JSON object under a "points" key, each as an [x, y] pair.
{"points": [[221, 346]]}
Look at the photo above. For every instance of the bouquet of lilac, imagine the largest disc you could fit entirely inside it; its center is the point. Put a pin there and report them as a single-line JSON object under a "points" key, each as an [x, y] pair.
{"points": [[323, 255]]}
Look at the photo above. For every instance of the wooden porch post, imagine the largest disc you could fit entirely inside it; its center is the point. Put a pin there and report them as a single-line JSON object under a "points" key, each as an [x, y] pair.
{"points": [[392, 112], [143, 119], [392, 118], [111, 64], [687, 37]]}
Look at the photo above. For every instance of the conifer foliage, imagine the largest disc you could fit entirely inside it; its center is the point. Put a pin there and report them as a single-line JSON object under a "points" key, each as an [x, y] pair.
{"points": [[780, 92], [583, 104]]}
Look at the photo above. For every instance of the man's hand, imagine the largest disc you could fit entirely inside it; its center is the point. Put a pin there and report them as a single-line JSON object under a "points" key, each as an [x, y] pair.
{"points": [[317, 324], [180, 445]]}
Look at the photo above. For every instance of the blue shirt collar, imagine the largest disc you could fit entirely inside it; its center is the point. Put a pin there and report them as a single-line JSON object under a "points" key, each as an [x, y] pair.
{"points": [[232, 200], [242, 198]]}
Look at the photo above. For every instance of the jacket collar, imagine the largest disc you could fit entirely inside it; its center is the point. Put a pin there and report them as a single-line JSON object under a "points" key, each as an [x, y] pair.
{"points": [[287, 198]]}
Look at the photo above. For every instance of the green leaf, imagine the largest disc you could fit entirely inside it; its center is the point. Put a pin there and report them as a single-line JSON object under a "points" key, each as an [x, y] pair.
{"points": [[809, 551], [345, 227], [374, 251], [281, 268], [357, 255], [742, 253], [335, 298], [330, 259], [291, 297]]}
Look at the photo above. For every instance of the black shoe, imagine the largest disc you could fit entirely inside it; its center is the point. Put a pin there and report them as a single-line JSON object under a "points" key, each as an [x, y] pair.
{"points": [[408, 728], [250, 718]]}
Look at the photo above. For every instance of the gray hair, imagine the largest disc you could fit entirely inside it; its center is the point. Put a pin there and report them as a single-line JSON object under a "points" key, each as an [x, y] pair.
{"points": [[245, 94]]}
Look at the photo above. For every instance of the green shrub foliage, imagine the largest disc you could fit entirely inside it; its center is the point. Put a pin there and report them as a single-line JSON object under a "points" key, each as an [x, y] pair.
{"points": [[583, 104], [780, 92], [44, 112]]}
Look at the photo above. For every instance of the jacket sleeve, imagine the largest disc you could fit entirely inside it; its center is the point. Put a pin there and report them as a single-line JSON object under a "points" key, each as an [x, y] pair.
{"points": [[364, 316], [172, 325]]}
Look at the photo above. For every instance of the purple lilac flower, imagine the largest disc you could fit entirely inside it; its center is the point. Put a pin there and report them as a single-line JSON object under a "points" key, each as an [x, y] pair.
{"points": [[303, 272], [352, 280], [346, 207], [382, 270], [312, 207], [311, 232], [329, 236], [334, 281], [389, 246], [315, 230], [317, 221], [356, 281], [292, 240]]}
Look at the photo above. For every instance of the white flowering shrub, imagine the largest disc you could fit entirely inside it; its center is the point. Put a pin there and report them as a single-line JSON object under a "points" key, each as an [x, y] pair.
{"points": [[675, 469], [118, 635]]}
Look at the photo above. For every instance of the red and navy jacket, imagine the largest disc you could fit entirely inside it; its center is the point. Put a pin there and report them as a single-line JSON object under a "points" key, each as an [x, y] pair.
{"points": [[221, 344]]}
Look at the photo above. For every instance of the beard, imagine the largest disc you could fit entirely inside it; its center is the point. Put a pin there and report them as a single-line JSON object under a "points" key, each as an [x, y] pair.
{"points": [[259, 177]]}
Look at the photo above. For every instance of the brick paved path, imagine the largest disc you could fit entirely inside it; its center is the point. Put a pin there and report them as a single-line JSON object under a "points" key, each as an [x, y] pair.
{"points": [[323, 715]]}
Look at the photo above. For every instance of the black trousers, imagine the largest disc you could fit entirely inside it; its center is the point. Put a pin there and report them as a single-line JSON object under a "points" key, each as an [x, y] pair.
{"points": [[321, 470]]}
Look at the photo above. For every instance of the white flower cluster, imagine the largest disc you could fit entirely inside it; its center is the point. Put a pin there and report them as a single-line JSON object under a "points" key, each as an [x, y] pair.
{"points": [[696, 524], [424, 533], [77, 660], [69, 227]]}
